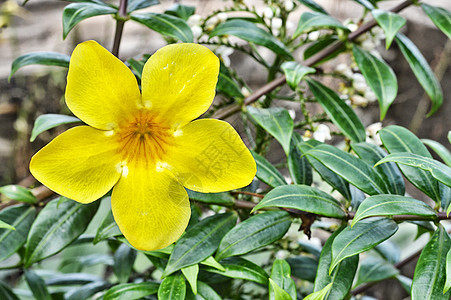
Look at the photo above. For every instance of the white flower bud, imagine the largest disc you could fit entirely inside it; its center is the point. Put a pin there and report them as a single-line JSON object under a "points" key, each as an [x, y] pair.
{"points": [[370, 95], [222, 17], [368, 45], [194, 20], [344, 70], [211, 23], [322, 133], [372, 129], [292, 113], [267, 13], [276, 23], [314, 35], [282, 254], [359, 86], [359, 100], [197, 31], [288, 5], [223, 52]]}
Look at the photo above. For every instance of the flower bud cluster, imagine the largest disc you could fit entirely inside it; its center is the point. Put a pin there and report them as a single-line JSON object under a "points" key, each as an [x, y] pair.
{"points": [[372, 133], [358, 93]]}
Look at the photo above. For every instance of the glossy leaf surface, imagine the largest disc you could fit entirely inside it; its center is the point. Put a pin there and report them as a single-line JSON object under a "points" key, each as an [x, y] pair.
{"points": [[390, 22], [166, 25], [267, 173], [40, 58], [48, 121], [314, 20]]}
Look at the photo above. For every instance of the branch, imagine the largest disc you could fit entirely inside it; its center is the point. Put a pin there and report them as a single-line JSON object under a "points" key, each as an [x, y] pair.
{"points": [[120, 21]]}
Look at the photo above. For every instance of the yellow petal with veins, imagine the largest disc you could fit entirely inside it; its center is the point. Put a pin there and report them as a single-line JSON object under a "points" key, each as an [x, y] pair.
{"points": [[101, 90], [178, 82], [82, 164], [150, 207], [209, 156]]}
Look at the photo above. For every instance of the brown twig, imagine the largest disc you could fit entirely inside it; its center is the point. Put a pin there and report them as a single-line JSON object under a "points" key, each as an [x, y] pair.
{"points": [[121, 15]]}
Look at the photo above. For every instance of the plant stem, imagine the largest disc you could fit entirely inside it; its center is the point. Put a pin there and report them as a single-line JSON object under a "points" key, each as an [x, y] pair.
{"points": [[120, 21]]}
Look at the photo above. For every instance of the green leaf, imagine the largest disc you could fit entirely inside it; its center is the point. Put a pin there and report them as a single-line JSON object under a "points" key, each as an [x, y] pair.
{"points": [[320, 44], [399, 139], [181, 11], [281, 276], [327, 175], [226, 84], [390, 22], [389, 251], [6, 293], [448, 272], [124, 258], [6, 226], [190, 274], [240, 268], [298, 165], [206, 291], [19, 217], [39, 58], [133, 5], [375, 269], [278, 292], [107, 229], [257, 231], [18, 193], [87, 290], [248, 31], [48, 121], [172, 288], [131, 291], [77, 12], [441, 150], [199, 242], [304, 198], [277, 121], [390, 173], [37, 285], [212, 198], [303, 267], [342, 276], [422, 71], [211, 262], [440, 16], [321, 294], [430, 272], [267, 173], [389, 205], [71, 279], [310, 21], [368, 4], [350, 168], [363, 236], [313, 6], [166, 25], [338, 111], [379, 76], [56, 227], [439, 171], [405, 282], [294, 73]]}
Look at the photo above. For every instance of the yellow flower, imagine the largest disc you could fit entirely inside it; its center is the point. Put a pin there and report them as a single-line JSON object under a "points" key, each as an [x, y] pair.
{"points": [[144, 146]]}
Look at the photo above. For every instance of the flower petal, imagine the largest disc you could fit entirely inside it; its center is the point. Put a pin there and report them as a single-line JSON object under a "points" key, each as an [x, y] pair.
{"points": [[209, 156], [150, 207], [82, 163], [179, 80], [101, 90]]}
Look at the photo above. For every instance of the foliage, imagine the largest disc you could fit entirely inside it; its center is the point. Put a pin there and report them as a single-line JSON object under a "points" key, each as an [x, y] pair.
{"points": [[241, 244]]}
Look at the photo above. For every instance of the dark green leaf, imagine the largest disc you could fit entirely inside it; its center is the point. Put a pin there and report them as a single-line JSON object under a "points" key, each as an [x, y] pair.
{"points": [[327, 175], [303, 197], [257, 231], [71, 279], [277, 291], [277, 121], [107, 229], [240, 268], [350, 168], [390, 22], [294, 73], [248, 31], [389, 205], [281, 275], [399, 139], [131, 291], [37, 285], [181, 11], [206, 291], [422, 71], [389, 251], [87, 290], [321, 294], [379, 76], [343, 274], [124, 258], [166, 25], [310, 21], [57, 226], [368, 4], [200, 241], [133, 5], [430, 272], [390, 173], [313, 6], [448, 272], [48, 121], [226, 84], [18, 193], [267, 173], [299, 167], [4, 225], [339, 112], [212, 198], [20, 217], [77, 12], [440, 16], [303, 267], [211, 262], [190, 274], [405, 282], [319, 45], [441, 150], [375, 269], [363, 236], [6, 293], [172, 288], [39, 58]]}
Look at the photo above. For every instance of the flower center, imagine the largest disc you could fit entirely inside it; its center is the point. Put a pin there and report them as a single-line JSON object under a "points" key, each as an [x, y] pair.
{"points": [[144, 139]]}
